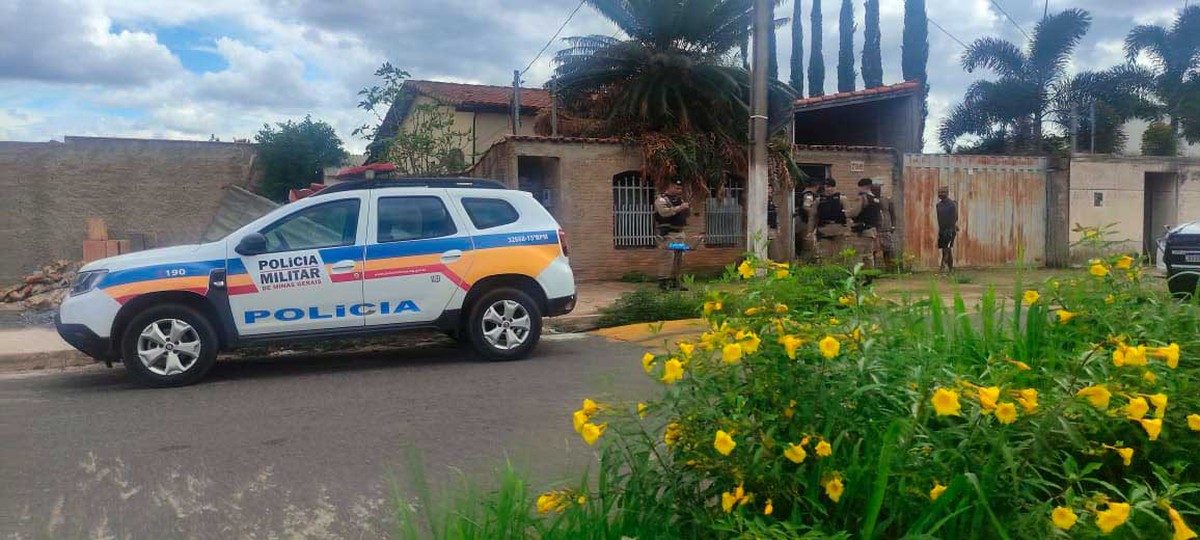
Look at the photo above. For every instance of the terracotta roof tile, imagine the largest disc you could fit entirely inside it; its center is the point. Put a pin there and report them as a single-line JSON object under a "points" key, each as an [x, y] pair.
{"points": [[479, 94], [906, 86]]}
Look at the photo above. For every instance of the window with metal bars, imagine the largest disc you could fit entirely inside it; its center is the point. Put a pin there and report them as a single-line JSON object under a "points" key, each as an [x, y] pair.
{"points": [[633, 212], [725, 215]]}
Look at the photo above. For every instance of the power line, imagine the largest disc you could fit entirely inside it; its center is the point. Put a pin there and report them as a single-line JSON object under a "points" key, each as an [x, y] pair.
{"points": [[944, 31], [554, 37], [1010, 19]]}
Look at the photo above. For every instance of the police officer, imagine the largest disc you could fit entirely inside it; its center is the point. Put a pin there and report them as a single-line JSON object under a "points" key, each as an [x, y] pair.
{"points": [[867, 212], [887, 227], [806, 220], [831, 222], [671, 213]]}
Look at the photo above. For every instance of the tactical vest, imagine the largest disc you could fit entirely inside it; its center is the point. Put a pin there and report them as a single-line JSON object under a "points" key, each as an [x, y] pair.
{"points": [[871, 215], [830, 210], [679, 220]]}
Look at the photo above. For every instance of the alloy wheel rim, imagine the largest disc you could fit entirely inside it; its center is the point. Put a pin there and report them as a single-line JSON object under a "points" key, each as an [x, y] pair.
{"points": [[168, 347], [506, 325]]}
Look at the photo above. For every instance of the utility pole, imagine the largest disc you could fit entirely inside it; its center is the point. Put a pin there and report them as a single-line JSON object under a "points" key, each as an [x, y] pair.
{"points": [[554, 107], [1074, 129], [756, 192], [516, 101], [1092, 123]]}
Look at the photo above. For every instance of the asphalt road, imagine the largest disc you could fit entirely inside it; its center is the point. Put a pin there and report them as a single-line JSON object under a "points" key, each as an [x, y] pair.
{"points": [[314, 447]]}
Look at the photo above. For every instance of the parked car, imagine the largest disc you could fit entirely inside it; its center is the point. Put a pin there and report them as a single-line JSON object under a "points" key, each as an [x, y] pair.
{"points": [[464, 256], [1179, 256]]}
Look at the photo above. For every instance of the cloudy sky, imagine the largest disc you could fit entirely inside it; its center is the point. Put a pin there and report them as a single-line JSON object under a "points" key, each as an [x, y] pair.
{"points": [[188, 69]]}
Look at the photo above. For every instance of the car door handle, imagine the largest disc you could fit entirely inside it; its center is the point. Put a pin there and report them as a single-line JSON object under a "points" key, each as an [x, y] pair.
{"points": [[452, 255], [342, 267]]}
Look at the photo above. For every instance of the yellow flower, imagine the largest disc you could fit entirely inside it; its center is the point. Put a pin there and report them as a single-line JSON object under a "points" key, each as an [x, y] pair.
{"points": [[1030, 297], [648, 362], [686, 348], [1170, 353], [1064, 316], [787, 411], [752, 311], [987, 397], [579, 418], [1124, 262], [1182, 531], [749, 341], [1110, 299], [845, 300], [550, 502], [1114, 516], [641, 410], [1006, 412], [1193, 422], [1126, 455], [738, 497], [781, 308], [1020, 365], [590, 407], [1098, 395], [790, 344], [936, 491], [711, 307], [1160, 404], [582, 499], [829, 346], [769, 508], [746, 270], [1137, 408], [1152, 426], [723, 443], [1063, 518], [945, 402], [1124, 355], [834, 488], [834, 321], [1028, 399], [672, 434], [672, 371], [782, 271], [592, 432], [1098, 270], [795, 453], [1150, 377], [824, 449], [732, 353]]}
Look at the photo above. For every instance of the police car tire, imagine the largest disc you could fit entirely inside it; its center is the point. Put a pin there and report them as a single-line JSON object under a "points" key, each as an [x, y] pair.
{"points": [[198, 322], [474, 330]]}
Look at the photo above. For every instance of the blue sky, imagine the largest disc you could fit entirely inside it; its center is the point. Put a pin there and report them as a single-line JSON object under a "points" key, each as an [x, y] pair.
{"points": [[188, 69]]}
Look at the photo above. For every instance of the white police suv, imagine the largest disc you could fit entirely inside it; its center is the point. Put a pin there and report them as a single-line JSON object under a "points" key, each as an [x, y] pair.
{"points": [[465, 256]]}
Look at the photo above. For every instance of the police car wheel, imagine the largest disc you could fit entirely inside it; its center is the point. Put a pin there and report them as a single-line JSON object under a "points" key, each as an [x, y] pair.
{"points": [[169, 345], [1183, 284], [505, 324]]}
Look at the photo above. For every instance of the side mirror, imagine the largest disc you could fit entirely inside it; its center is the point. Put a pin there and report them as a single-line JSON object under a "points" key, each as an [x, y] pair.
{"points": [[252, 244]]}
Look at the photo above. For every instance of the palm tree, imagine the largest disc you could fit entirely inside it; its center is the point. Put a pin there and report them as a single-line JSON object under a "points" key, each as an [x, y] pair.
{"points": [[1174, 55], [1015, 107], [674, 72]]}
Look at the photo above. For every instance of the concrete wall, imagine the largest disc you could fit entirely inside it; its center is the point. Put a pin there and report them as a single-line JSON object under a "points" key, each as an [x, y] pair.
{"points": [[584, 205], [1121, 181], [166, 188]]}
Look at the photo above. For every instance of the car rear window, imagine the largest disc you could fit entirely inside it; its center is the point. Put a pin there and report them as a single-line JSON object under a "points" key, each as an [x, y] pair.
{"points": [[413, 218], [488, 213]]}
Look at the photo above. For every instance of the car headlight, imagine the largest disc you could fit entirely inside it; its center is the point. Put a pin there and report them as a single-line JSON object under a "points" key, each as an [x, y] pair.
{"points": [[86, 281]]}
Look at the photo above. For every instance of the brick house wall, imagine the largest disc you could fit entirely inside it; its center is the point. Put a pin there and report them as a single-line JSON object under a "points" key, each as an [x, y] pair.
{"points": [[166, 188], [583, 203]]}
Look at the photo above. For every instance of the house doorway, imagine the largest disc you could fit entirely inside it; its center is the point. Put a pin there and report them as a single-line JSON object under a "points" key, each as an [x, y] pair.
{"points": [[1159, 209], [539, 175]]}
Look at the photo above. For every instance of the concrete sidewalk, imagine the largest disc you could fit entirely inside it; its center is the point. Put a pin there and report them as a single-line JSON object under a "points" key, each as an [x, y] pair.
{"points": [[39, 347]]}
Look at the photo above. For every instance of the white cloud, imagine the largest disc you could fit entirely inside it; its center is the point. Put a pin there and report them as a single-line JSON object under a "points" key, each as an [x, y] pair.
{"points": [[73, 41], [256, 77]]}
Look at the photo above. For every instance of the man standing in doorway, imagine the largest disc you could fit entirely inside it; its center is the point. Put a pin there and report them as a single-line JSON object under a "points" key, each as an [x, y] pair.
{"points": [[947, 218], [671, 213], [867, 211], [806, 220], [887, 226]]}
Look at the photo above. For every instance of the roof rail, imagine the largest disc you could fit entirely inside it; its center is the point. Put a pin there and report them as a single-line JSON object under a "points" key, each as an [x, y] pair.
{"points": [[353, 185]]}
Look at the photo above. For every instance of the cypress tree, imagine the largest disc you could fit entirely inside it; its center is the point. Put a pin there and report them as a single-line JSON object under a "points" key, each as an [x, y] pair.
{"points": [[872, 61], [816, 60], [846, 30], [797, 75], [915, 53]]}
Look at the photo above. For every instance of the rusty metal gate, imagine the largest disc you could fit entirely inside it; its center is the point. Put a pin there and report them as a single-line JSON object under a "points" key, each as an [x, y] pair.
{"points": [[1001, 208]]}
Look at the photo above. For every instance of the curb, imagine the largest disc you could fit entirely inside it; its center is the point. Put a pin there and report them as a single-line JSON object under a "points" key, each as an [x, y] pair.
{"points": [[14, 363]]}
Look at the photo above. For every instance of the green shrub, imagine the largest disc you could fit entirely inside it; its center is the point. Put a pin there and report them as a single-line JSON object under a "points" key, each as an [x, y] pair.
{"points": [[650, 304], [1160, 140]]}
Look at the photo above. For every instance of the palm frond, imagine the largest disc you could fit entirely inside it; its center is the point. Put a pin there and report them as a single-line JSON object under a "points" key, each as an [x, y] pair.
{"points": [[995, 54], [1149, 38], [1055, 38]]}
